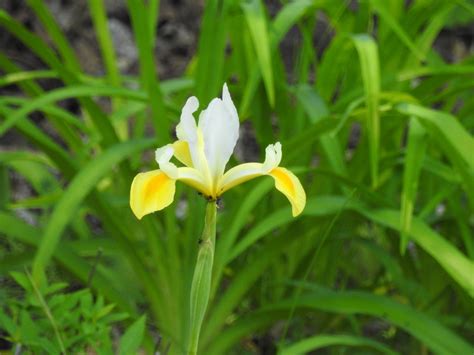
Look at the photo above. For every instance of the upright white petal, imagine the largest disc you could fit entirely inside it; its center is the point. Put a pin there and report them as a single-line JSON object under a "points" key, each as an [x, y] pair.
{"points": [[187, 131], [219, 125], [272, 157], [229, 104], [162, 157]]}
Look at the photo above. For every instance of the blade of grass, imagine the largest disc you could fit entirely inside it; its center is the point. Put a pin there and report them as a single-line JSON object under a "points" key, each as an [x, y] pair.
{"points": [[429, 331], [437, 337], [211, 56], [61, 159], [238, 223], [14, 78], [148, 77], [42, 50], [369, 66], [326, 340], [241, 283], [56, 34], [316, 109], [381, 8], [414, 156], [19, 230], [99, 18], [457, 265], [453, 139], [69, 92], [80, 186], [288, 16], [257, 23]]}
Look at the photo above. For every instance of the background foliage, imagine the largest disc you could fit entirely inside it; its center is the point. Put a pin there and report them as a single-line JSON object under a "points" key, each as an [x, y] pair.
{"points": [[377, 124]]}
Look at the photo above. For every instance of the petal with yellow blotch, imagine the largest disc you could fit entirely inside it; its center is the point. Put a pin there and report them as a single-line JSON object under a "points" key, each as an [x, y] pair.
{"points": [[287, 183], [150, 192]]}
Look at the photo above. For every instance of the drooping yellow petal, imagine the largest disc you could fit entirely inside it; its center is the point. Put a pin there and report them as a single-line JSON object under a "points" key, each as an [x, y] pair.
{"points": [[285, 182], [182, 153], [151, 191], [288, 184]]}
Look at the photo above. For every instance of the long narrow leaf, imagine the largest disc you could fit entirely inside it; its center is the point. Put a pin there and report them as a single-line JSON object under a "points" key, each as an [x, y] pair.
{"points": [[415, 153], [82, 184], [369, 65]]}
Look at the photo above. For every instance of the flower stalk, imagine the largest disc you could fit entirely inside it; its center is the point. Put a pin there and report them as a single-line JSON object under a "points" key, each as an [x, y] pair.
{"points": [[201, 284]]}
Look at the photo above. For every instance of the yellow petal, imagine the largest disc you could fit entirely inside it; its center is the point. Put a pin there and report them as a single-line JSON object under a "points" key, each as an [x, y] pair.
{"points": [[182, 153], [287, 183], [151, 191]]}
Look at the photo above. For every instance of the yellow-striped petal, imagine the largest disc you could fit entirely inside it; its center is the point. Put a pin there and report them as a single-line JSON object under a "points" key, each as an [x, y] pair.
{"points": [[288, 184], [150, 192]]}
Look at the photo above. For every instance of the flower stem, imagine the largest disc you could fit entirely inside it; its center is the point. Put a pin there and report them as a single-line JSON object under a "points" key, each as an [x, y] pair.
{"points": [[201, 284]]}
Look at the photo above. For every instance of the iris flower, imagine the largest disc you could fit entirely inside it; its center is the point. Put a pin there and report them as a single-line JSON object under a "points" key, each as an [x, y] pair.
{"points": [[204, 150]]}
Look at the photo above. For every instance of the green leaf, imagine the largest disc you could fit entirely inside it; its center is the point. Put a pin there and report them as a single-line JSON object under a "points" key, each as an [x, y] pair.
{"points": [[68, 92], [414, 157], [140, 18], [211, 56], [56, 34], [257, 23], [316, 109], [453, 139], [99, 18], [133, 337], [325, 340], [369, 66], [457, 265], [14, 78], [18, 230], [384, 12], [82, 184], [437, 337]]}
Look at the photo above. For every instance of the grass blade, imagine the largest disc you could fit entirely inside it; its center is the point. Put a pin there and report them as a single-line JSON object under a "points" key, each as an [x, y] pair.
{"points": [[454, 140], [381, 9], [438, 338], [457, 265], [415, 154], [257, 23], [56, 34], [99, 18], [79, 188], [148, 77], [369, 66], [209, 75], [325, 340]]}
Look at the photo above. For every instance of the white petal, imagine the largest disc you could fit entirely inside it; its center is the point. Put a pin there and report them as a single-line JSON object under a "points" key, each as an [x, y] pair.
{"points": [[229, 104], [272, 157], [219, 125], [240, 174], [187, 131], [195, 178], [163, 156], [244, 172]]}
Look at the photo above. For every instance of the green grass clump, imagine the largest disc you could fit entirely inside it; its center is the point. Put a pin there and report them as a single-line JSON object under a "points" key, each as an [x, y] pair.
{"points": [[378, 127]]}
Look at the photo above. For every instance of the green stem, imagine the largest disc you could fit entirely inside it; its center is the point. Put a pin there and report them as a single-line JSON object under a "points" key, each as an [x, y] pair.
{"points": [[201, 285]]}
